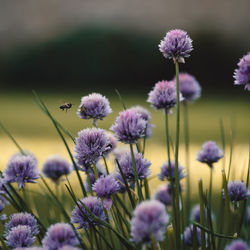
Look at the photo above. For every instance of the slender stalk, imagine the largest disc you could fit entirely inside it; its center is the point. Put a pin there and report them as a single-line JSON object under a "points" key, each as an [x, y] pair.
{"points": [[140, 195], [147, 190], [177, 186], [106, 165], [194, 238], [210, 186], [95, 171], [202, 215], [171, 239], [121, 100], [231, 154]]}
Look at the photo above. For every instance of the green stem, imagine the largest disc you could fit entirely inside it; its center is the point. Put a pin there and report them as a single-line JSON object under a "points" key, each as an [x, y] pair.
{"points": [[210, 186], [177, 186], [202, 215], [106, 165]]}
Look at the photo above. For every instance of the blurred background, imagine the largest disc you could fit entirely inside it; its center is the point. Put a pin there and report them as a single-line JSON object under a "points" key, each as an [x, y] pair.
{"points": [[65, 49]]}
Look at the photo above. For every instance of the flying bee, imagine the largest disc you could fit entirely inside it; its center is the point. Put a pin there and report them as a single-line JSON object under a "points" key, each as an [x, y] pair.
{"points": [[66, 106]]}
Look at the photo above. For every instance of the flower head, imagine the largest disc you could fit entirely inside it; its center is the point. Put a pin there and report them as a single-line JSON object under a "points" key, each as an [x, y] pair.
{"points": [[145, 114], [59, 235], [56, 167], [242, 74], [149, 219], [104, 187], [176, 45], [129, 126], [167, 171], [24, 219], [237, 191], [118, 177], [237, 245], [126, 164], [163, 95], [112, 143], [20, 236], [91, 144], [81, 216], [195, 213], [163, 195], [188, 235], [189, 87], [210, 153], [21, 169], [94, 106]]}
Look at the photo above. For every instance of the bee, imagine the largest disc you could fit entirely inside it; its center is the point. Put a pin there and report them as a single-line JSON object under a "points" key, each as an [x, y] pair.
{"points": [[82, 109], [66, 106]]}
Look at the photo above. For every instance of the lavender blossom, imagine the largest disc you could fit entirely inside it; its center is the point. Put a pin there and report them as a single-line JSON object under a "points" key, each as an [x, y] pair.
{"points": [[149, 219], [237, 191], [104, 187], [94, 106], [163, 95], [166, 172], [142, 166], [129, 126], [210, 153], [82, 217], [59, 235], [21, 169], [195, 213], [242, 74], [145, 114], [188, 236], [163, 195], [24, 219], [237, 245], [20, 236], [176, 45], [91, 144], [56, 167], [189, 87]]}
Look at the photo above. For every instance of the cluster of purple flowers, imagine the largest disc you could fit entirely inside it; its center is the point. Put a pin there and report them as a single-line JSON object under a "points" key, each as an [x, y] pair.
{"points": [[237, 191], [168, 172], [163, 194], [237, 245], [188, 236]]}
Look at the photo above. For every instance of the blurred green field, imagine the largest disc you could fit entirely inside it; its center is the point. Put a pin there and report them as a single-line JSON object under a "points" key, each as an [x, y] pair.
{"points": [[35, 132]]}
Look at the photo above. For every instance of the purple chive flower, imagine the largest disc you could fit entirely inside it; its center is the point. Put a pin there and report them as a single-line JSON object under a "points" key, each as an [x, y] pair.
{"points": [[21, 169], [112, 143], [176, 45], [24, 219], [82, 217], [237, 245], [248, 215], [120, 181], [142, 166], [210, 153], [166, 171], [91, 144], [242, 74], [163, 195], [237, 191], [129, 126], [56, 167], [59, 235], [20, 236], [149, 219], [104, 187], [195, 213], [189, 87], [188, 236], [163, 95], [94, 106], [145, 114]]}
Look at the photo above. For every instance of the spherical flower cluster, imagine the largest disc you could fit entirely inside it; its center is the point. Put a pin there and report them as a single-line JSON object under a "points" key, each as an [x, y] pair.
{"points": [[59, 235], [149, 219], [163, 195], [237, 245], [94, 106], [129, 126], [145, 114], [237, 191], [188, 236], [142, 166], [104, 187], [189, 87], [210, 153], [20, 236], [56, 167], [24, 219], [163, 95], [176, 45], [91, 144], [82, 217], [167, 171], [21, 169], [195, 213], [242, 74]]}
